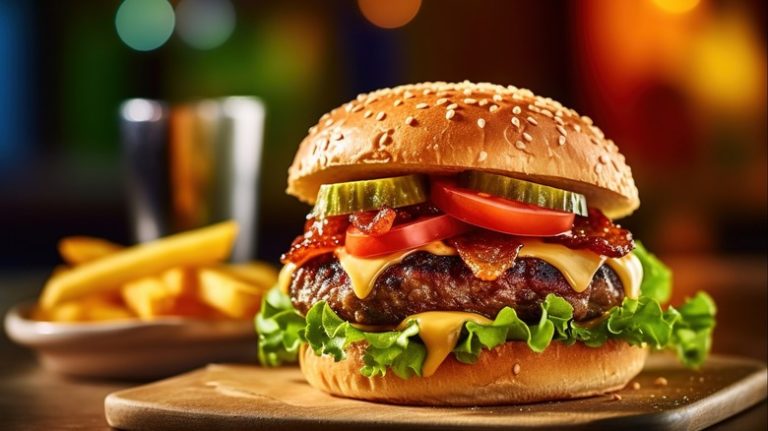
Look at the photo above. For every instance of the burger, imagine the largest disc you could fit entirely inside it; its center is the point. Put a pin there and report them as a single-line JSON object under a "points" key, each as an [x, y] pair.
{"points": [[462, 250]]}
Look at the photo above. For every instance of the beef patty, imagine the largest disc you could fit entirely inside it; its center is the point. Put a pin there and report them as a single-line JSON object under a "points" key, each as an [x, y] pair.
{"points": [[426, 282]]}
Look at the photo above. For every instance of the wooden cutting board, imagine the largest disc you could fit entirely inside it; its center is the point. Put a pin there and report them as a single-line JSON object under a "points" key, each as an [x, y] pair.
{"points": [[241, 397]]}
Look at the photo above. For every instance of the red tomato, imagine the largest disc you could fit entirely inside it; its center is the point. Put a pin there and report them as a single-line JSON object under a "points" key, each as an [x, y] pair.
{"points": [[499, 214], [404, 236]]}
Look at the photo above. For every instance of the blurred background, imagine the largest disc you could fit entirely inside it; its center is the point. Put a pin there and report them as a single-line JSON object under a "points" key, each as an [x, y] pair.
{"points": [[680, 85]]}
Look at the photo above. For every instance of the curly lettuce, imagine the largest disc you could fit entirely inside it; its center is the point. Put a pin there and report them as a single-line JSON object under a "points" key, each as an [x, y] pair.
{"points": [[687, 330]]}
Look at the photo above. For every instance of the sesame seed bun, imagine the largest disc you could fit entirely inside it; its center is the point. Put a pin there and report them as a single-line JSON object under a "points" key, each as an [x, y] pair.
{"points": [[509, 374], [443, 128]]}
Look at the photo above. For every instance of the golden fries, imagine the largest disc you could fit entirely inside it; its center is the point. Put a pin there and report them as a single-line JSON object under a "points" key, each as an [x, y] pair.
{"points": [[181, 275], [233, 297], [76, 250], [194, 248]]}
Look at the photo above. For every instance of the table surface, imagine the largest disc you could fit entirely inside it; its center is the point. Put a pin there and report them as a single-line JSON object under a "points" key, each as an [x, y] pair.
{"points": [[34, 399]]}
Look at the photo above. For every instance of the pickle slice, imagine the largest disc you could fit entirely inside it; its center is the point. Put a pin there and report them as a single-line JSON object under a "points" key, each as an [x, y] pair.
{"points": [[525, 191], [366, 195]]}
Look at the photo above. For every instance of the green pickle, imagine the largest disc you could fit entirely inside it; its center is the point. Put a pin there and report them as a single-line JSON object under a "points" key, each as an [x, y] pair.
{"points": [[525, 191], [367, 195]]}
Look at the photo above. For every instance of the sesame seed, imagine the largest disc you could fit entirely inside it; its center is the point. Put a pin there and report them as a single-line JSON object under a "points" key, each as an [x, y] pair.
{"points": [[467, 92], [398, 102], [450, 114], [516, 110], [561, 140], [562, 131], [527, 137], [497, 98], [422, 106], [452, 106], [520, 145], [482, 156], [577, 128], [326, 115], [482, 102], [367, 114], [470, 101], [493, 108], [427, 92], [516, 369], [586, 119], [357, 108], [603, 159], [559, 121], [532, 120], [594, 140], [480, 123], [380, 116], [661, 381], [383, 139], [516, 122], [441, 101], [410, 120], [312, 129], [407, 94], [338, 136], [328, 122]]}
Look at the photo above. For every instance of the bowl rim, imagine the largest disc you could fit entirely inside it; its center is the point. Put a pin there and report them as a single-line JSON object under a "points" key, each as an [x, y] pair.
{"points": [[29, 332]]}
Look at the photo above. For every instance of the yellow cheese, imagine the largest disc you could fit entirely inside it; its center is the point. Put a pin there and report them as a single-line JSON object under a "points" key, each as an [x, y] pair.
{"points": [[439, 330], [577, 266], [362, 271], [285, 277], [630, 272]]}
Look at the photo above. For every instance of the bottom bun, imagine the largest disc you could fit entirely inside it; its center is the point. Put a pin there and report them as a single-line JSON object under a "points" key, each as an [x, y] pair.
{"points": [[509, 374]]}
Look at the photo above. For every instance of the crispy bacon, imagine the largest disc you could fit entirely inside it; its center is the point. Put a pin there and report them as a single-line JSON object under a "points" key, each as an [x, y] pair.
{"points": [[488, 254], [320, 236], [597, 233], [374, 222]]}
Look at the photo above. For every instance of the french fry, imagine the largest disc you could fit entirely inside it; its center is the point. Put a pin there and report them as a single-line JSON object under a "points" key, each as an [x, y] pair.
{"points": [[76, 250], [258, 273], [149, 297], [92, 308], [228, 294], [203, 246]]}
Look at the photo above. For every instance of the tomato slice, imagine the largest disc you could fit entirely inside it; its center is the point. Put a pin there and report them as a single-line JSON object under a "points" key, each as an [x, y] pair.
{"points": [[404, 236], [499, 214]]}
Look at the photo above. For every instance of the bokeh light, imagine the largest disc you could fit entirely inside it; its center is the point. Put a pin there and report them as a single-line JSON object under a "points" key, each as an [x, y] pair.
{"points": [[676, 6], [144, 25], [205, 24], [389, 13]]}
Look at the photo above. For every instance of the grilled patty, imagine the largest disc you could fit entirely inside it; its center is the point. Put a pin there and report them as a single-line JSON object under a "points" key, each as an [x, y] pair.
{"points": [[426, 282]]}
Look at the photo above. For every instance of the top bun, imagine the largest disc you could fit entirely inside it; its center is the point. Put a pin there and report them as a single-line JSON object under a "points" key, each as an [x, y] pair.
{"points": [[445, 128]]}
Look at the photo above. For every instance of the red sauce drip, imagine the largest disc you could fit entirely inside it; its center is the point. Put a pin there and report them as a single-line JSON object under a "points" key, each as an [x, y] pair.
{"points": [[488, 254], [598, 234]]}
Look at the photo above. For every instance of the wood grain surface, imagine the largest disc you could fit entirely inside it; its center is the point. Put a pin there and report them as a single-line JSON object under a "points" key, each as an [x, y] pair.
{"points": [[238, 397]]}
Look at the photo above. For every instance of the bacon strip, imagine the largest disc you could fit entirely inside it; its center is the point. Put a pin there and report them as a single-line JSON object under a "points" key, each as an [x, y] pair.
{"points": [[488, 254], [598, 234], [320, 236]]}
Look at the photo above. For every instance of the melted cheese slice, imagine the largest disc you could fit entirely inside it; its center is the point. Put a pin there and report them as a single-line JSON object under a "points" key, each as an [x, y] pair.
{"points": [[285, 277], [439, 330], [362, 271], [630, 272], [577, 266]]}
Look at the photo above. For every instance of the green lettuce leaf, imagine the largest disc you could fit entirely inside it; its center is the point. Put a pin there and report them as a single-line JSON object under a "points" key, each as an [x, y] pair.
{"points": [[657, 278], [279, 327]]}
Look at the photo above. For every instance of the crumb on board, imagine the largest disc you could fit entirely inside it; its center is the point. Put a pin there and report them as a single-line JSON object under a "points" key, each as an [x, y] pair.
{"points": [[635, 385], [661, 381], [616, 397]]}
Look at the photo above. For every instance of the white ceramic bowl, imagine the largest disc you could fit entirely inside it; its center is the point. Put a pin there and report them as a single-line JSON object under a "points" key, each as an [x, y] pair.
{"points": [[131, 349]]}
